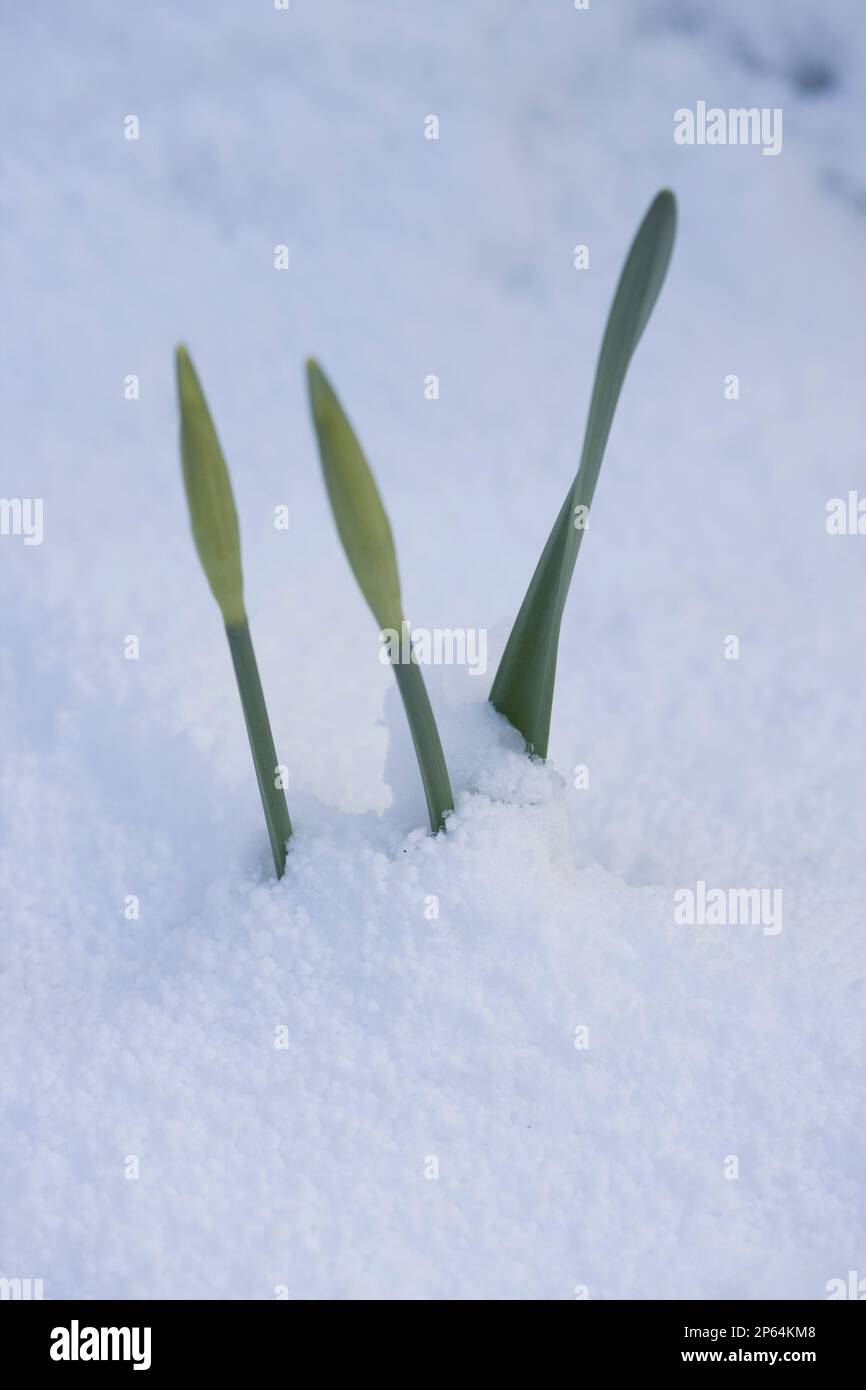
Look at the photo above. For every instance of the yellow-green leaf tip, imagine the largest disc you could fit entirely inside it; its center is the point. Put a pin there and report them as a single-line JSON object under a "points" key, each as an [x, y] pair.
{"points": [[212, 511], [361, 519]]}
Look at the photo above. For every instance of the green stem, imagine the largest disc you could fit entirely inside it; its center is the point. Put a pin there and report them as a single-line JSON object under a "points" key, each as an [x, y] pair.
{"points": [[261, 742], [425, 736]]}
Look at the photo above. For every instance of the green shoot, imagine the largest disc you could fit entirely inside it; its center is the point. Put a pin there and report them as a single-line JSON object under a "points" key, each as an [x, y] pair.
{"points": [[365, 532], [215, 531], [523, 688]]}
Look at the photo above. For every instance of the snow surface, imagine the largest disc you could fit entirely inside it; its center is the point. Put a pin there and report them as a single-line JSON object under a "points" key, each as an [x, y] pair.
{"points": [[307, 1169]]}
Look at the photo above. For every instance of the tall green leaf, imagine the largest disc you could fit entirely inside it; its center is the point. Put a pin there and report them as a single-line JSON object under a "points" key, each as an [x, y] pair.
{"points": [[214, 521], [523, 688], [365, 532]]}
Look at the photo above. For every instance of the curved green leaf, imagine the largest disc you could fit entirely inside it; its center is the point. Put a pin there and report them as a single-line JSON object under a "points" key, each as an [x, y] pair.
{"points": [[523, 688]]}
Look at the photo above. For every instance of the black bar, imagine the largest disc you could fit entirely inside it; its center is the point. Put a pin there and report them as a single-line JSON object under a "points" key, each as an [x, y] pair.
{"points": [[221, 1339]]}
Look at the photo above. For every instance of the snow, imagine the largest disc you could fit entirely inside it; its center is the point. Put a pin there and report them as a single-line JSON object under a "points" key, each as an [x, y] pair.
{"points": [[307, 1170]]}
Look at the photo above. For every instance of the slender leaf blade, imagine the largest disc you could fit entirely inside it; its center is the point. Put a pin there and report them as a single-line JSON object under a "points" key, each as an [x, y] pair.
{"points": [[261, 742], [425, 737], [524, 683]]}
